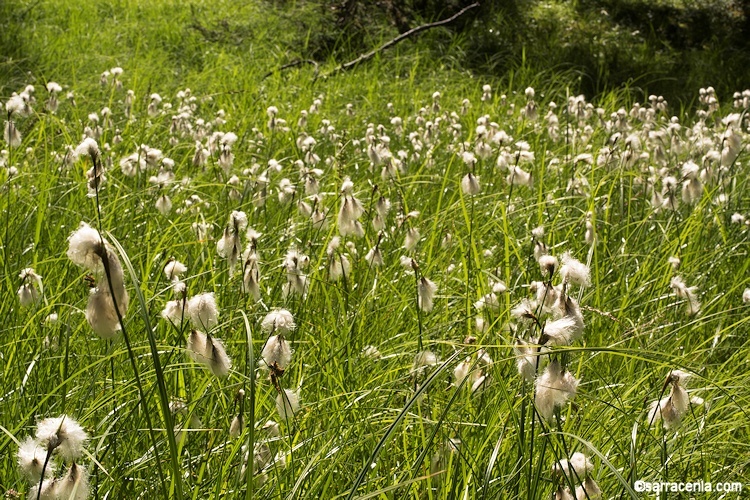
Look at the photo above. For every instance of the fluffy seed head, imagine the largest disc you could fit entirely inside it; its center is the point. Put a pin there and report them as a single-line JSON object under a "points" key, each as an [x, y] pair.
{"points": [[279, 321], [576, 468], [174, 269], [63, 435], [287, 404], [74, 485], [209, 351], [85, 247], [426, 294], [31, 456], [276, 353], [554, 388], [574, 271], [204, 313]]}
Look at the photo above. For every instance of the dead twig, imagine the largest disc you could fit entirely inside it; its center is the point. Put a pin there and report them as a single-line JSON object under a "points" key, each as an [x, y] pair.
{"points": [[602, 313], [399, 38], [293, 64]]}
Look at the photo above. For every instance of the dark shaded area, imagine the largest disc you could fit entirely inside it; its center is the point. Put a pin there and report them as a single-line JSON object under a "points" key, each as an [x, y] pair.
{"points": [[665, 47], [660, 47], [15, 60]]}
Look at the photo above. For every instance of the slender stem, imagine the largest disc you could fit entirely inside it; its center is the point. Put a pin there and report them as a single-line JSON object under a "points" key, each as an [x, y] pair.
{"points": [[50, 449], [419, 309], [108, 273], [469, 268]]}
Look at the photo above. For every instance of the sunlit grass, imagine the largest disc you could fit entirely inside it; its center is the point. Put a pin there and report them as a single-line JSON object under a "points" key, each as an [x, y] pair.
{"points": [[368, 425]]}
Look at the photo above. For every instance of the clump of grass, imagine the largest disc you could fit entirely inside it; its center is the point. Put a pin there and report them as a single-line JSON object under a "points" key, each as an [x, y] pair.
{"points": [[424, 286]]}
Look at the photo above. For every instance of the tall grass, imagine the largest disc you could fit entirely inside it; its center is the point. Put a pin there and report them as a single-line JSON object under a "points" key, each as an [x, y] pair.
{"points": [[369, 427]]}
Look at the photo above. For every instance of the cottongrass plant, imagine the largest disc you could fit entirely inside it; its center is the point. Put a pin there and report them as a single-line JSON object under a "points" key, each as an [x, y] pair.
{"points": [[57, 440], [431, 359]]}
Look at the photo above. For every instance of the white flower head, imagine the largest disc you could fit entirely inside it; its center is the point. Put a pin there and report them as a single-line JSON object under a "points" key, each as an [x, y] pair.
{"points": [[74, 485], [276, 353], [31, 457], [31, 289], [574, 271], [554, 388], [176, 311], [63, 435], [15, 105], [287, 404], [174, 269], [209, 351], [88, 147], [690, 293], [576, 468], [411, 239], [426, 293], [278, 321], [470, 184], [85, 247], [204, 313], [548, 264], [672, 408], [101, 311]]}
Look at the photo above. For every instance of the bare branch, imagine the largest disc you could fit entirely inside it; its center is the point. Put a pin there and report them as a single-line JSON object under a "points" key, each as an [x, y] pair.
{"points": [[293, 64], [399, 38]]}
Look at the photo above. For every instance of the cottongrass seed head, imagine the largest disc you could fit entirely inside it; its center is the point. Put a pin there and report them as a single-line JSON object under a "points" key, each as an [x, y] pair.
{"points": [[209, 351], [31, 456], [204, 313], [63, 435], [279, 321], [426, 293], [287, 404], [554, 388]]}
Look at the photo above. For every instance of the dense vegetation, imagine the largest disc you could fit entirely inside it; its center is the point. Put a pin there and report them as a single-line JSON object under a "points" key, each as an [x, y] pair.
{"points": [[441, 274]]}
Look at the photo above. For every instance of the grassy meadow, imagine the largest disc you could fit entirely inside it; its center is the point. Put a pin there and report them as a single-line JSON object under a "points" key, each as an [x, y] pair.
{"points": [[428, 284]]}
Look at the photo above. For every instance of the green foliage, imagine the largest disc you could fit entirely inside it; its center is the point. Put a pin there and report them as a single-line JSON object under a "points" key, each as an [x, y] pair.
{"points": [[371, 423]]}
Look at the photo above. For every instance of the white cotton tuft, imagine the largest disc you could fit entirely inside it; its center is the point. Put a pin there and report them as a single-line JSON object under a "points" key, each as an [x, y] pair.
{"points": [[101, 313], [85, 247], [548, 265], [31, 290], [589, 490], [470, 185], [576, 468], [278, 321], [527, 358], [204, 313], [574, 271], [163, 205], [276, 353], [31, 456], [690, 293], [74, 485], [411, 239], [287, 404], [554, 388], [176, 311], [174, 269], [672, 408], [209, 351], [426, 293], [62, 434], [561, 331]]}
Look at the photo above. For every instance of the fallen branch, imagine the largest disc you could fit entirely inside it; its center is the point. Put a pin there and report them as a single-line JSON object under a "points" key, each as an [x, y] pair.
{"points": [[602, 313], [295, 63], [400, 38]]}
